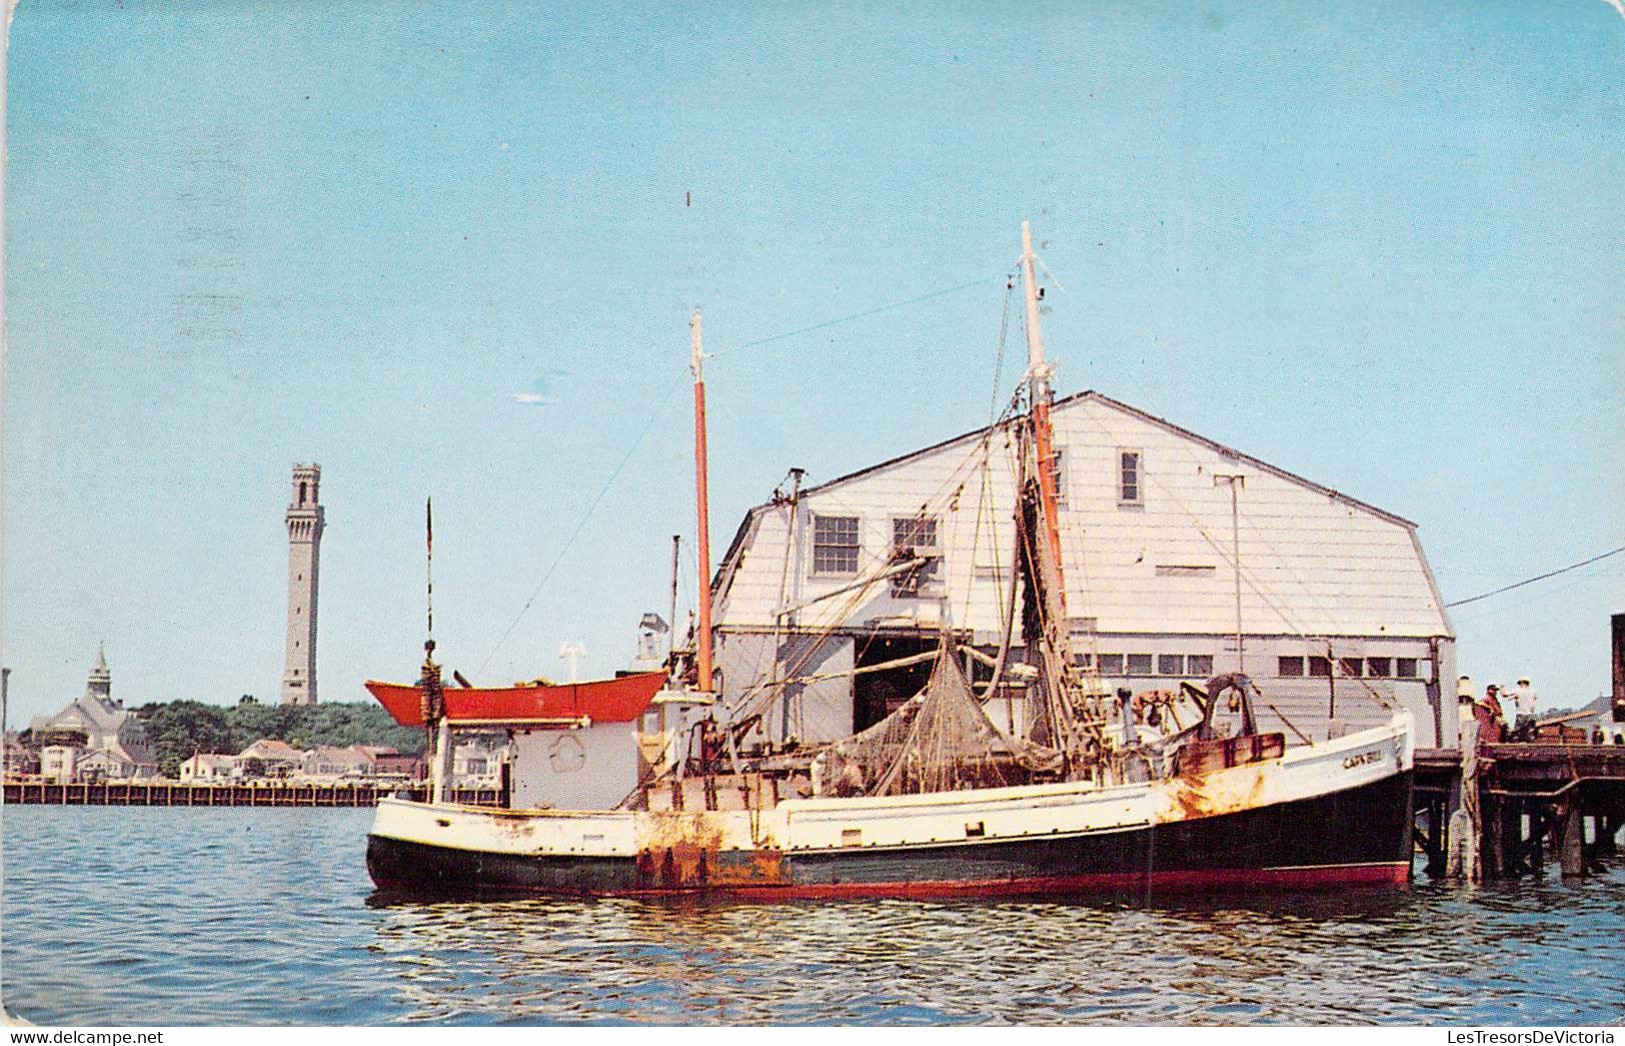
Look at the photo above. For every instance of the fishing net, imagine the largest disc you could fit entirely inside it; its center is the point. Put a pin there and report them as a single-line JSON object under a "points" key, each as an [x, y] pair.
{"points": [[940, 741]]}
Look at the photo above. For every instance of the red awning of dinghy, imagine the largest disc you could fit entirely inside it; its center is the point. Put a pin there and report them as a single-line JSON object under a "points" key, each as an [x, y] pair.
{"points": [[618, 700]]}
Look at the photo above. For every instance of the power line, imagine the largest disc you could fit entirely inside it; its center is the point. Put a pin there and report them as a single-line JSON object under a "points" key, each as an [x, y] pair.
{"points": [[1542, 577]]}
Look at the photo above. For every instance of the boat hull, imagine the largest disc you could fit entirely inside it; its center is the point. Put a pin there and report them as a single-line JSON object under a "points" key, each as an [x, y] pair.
{"points": [[1358, 837], [1330, 815]]}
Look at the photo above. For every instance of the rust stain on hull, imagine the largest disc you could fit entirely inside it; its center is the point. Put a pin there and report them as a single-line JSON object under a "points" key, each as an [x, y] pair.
{"points": [[683, 851]]}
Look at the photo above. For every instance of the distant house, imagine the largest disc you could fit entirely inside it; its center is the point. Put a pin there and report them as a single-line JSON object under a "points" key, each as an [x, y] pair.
{"points": [[209, 768], [58, 763], [477, 760], [394, 766], [328, 761], [111, 740], [269, 757]]}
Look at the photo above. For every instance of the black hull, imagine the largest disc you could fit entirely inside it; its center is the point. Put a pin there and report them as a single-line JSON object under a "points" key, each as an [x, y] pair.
{"points": [[1361, 836]]}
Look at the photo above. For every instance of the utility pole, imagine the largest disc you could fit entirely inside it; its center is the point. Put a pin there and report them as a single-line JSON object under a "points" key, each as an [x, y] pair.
{"points": [[1235, 479]]}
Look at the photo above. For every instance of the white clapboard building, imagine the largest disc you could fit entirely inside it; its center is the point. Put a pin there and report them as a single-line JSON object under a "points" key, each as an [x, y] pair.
{"points": [[1339, 612]]}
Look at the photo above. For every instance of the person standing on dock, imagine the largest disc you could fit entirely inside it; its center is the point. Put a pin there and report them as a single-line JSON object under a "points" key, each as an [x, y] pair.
{"points": [[1523, 706], [1491, 723]]}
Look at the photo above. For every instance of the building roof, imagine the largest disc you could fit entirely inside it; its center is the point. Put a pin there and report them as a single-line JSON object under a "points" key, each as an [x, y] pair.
{"points": [[729, 558], [271, 748], [1316, 563], [1134, 412]]}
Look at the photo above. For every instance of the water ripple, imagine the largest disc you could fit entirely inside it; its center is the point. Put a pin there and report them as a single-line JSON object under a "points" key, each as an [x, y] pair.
{"points": [[232, 916]]}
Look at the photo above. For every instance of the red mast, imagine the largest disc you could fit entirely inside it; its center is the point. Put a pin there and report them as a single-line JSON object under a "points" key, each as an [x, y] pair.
{"points": [[700, 497]]}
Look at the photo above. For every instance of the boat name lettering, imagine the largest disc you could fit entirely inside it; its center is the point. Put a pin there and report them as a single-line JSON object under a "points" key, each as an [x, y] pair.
{"points": [[1373, 756]]}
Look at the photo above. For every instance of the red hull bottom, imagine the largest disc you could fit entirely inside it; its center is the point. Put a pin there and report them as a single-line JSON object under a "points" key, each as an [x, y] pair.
{"points": [[1213, 880]]}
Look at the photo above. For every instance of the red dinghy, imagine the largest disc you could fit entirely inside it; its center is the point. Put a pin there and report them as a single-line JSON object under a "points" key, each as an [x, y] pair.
{"points": [[618, 700]]}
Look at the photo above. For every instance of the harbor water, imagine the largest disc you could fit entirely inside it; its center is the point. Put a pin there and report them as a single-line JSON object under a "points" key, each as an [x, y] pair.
{"points": [[133, 916]]}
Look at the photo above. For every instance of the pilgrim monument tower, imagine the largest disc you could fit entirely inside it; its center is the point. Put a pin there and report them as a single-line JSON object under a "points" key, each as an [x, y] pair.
{"points": [[305, 521]]}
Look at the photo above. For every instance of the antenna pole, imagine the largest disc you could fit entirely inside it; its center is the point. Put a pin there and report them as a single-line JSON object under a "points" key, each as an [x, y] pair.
{"points": [[433, 702], [428, 531], [671, 645], [700, 496]]}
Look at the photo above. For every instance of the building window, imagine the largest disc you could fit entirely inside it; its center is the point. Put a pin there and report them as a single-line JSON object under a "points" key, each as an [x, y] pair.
{"points": [[1199, 665], [1348, 667], [1111, 664], [1289, 666], [1405, 667], [1320, 666], [1057, 472], [1378, 667], [1170, 664], [915, 538], [1139, 664], [1130, 477], [835, 544]]}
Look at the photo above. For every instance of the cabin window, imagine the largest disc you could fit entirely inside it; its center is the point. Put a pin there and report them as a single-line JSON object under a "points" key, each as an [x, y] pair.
{"points": [[1170, 664], [1199, 665], [835, 544], [475, 768], [1405, 667], [915, 537], [1320, 666], [1130, 477], [1111, 664], [1139, 664], [1289, 666], [1348, 667], [1084, 661], [1378, 667]]}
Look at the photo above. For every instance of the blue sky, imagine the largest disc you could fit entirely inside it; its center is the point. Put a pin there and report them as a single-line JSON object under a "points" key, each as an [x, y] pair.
{"points": [[1376, 245]]}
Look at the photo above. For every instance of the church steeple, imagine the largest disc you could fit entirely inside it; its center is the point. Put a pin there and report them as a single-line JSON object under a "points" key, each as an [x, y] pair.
{"points": [[100, 683]]}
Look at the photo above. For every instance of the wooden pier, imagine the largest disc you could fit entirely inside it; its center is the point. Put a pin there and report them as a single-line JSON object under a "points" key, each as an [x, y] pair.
{"points": [[266, 793], [1533, 800]]}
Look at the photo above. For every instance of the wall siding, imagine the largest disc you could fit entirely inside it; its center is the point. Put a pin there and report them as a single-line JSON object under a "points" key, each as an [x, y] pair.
{"points": [[1313, 564]]}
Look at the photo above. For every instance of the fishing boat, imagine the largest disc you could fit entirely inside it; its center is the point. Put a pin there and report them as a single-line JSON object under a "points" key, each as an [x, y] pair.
{"points": [[1098, 790]]}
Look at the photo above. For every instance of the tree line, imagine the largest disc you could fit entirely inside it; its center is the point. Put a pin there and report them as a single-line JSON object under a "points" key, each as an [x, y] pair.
{"points": [[177, 729]]}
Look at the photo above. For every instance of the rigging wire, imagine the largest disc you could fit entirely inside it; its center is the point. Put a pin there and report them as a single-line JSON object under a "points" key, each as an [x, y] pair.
{"points": [[876, 311], [1540, 577], [667, 403], [580, 526]]}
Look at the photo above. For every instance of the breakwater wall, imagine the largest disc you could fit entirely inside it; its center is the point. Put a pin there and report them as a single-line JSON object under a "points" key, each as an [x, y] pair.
{"points": [[263, 793]]}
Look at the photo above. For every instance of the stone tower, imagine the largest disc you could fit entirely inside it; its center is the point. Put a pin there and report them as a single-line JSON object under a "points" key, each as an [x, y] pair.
{"points": [[305, 522]]}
